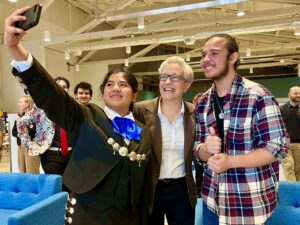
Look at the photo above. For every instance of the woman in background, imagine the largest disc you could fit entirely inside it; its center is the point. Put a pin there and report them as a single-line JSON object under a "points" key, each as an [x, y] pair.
{"points": [[27, 163]]}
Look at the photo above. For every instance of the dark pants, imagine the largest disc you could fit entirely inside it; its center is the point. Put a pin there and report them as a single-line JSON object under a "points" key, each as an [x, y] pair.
{"points": [[171, 199], [53, 162]]}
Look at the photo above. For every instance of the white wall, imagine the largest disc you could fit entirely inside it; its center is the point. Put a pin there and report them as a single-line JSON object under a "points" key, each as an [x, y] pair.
{"points": [[56, 66], [10, 89]]}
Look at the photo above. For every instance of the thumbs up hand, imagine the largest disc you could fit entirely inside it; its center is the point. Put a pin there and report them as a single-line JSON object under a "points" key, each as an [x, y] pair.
{"points": [[219, 162], [212, 142]]}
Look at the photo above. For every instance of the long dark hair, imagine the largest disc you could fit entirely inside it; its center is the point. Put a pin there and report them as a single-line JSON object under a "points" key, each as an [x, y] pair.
{"points": [[128, 76]]}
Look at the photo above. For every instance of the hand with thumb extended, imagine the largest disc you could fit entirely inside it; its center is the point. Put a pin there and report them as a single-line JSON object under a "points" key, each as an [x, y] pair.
{"points": [[212, 142]]}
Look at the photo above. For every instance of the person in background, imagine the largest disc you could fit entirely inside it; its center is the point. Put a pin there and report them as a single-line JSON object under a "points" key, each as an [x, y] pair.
{"points": [[56, 158], [83, 92], [26, 163], [15, 131], [171, 121], [291, 116], [240, 138], [108, 172], [2, 128]]}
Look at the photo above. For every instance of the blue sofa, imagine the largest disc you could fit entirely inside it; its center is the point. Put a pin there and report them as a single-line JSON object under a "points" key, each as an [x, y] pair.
{"points": [[288, 209], [286, 213], [199, 212], [31, 199]]}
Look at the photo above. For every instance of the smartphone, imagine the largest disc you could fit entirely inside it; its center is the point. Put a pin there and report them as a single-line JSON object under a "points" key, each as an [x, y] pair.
{"points": [[32, 18]]}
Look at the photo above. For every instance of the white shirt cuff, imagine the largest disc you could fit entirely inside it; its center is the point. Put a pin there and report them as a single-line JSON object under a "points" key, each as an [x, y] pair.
{"points": [[22, 66]]}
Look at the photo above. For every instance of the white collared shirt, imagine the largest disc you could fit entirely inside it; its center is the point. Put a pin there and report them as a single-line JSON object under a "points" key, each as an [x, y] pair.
{"points": [[172, 163], [111, 114]]}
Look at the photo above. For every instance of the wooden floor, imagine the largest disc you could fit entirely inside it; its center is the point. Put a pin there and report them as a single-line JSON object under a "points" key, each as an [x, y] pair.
{"points": [[5, 162]]}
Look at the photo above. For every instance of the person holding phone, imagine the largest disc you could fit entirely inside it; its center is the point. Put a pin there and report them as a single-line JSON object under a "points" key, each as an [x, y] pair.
{"points": [[108, 172]]}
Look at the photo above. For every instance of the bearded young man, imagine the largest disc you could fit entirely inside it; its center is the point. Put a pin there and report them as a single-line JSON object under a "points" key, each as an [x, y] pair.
{"points": [[241, 138]]}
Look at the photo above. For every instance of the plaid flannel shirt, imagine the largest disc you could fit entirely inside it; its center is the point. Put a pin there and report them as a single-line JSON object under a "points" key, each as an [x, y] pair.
{"points": [[252, 120]]}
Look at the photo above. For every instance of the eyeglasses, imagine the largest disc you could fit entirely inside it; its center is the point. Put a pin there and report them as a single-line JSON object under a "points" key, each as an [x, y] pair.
{"points": [[173, 77]]}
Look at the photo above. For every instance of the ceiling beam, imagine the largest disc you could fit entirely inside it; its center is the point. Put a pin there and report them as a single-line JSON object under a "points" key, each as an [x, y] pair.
{"points": [[292, 2], [91, 53], [90, 25], [241, 29], [167, 8], [198, 54], [267, 15], [46, 4]]}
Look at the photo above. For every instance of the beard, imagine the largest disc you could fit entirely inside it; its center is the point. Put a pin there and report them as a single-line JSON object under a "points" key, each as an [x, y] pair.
{"points": [[222, 73], [295, 99]]}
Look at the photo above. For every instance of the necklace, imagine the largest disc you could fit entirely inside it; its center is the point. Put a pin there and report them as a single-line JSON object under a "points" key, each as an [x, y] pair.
{"points": [[221, 114]]}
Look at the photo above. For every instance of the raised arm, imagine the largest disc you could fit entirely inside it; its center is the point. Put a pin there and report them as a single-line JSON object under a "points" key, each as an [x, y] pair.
{"points": [[47, 95], [13, 35]]}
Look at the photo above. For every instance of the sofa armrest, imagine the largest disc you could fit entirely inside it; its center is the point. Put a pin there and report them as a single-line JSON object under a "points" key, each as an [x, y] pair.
{"points": [[199, 212], [50, 211]]}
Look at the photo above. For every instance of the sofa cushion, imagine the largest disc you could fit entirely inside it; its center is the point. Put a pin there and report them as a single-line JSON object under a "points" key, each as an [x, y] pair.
{"points": [[288, 209], [19, 191]]}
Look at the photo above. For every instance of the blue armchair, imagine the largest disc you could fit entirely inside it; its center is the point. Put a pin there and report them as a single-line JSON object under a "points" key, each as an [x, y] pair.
{"points": [[34, 199], [288, 209]]}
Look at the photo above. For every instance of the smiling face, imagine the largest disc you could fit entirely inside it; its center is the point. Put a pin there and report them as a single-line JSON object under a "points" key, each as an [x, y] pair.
{"points": [[83, 96], [216, 60], [25, 104], [118, 94], [173, 90]]}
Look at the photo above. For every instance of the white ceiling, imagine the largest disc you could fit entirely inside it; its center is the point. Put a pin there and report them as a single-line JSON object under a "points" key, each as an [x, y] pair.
{"points": [[108, 26]]}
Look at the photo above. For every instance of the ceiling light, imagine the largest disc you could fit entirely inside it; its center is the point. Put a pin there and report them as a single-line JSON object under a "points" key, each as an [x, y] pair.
{"points": [[126, 62], [128, 49], [77, 67], [67, 55], [248, 52], [13, 1], [240, 9], [251, 70], [297, 31], [141, 24], [189, 40], [282, 61], [296, 27], [188, 57], [47, 36]]}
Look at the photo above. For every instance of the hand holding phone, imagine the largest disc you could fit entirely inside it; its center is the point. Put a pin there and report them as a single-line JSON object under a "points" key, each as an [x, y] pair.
{"points": [[32, 18]]}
